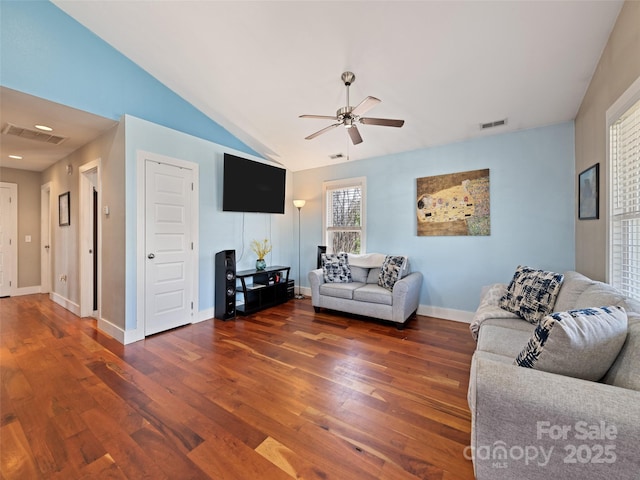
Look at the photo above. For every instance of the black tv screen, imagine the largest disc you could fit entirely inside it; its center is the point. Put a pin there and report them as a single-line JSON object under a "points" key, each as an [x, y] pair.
{"points": [[250, 186]]}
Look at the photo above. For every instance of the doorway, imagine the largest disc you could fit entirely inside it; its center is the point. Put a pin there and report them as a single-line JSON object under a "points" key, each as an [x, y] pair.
{"points": [[45, 238], [167, 263], [8, 238], [90, 244]]}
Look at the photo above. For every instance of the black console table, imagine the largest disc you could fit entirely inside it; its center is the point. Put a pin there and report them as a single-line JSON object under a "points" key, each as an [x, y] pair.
{"points": [[268, 287]]}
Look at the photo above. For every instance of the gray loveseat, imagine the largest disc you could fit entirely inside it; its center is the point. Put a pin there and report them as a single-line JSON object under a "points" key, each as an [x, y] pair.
{"points": [[530, 424], [363, 295]]}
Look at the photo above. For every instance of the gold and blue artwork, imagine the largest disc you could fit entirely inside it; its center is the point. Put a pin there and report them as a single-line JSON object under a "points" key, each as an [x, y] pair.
{"points": [[454, 204]]}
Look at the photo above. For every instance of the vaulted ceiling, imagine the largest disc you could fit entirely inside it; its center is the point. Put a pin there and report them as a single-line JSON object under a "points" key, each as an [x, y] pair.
{"points": [[445, 67]]}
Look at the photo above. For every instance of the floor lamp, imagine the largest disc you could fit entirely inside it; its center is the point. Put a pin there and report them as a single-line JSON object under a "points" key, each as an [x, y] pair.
{"points": [[299, 204]]}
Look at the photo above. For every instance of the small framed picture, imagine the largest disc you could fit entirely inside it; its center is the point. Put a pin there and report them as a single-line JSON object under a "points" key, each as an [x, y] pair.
{"points": [[588, 201], [64, 207]]}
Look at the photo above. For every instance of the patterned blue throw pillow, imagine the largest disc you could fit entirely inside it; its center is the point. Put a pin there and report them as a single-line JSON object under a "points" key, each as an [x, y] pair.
{"points": [[391, 271], [578, 343], [335, 268], [532, 293]]}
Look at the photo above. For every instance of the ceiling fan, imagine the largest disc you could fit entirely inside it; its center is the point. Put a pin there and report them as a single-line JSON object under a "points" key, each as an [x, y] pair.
{"points": [[350, 116]]}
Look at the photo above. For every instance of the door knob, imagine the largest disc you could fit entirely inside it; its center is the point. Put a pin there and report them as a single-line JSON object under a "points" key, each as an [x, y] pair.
{"points": [[151, 255]]}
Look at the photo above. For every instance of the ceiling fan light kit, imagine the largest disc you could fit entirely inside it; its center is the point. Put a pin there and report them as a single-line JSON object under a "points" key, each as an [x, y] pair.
{"points": [[350, 116]]}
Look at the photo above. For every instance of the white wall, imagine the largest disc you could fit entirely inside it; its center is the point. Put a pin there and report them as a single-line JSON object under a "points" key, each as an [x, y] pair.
{"points": [[532, 212]]}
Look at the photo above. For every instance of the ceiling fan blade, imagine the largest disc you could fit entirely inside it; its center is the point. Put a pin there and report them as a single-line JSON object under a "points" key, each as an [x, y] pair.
{"points": [[321, 117], [320, 132], [354, 134], [365, 105], [385, 122]]}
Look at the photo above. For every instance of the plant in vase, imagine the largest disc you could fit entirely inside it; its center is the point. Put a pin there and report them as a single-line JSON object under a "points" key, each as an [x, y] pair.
{"points": [[261, 248]]}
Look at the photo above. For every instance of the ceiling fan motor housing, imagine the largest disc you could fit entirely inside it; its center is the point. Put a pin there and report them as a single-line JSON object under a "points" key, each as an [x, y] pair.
{"points": [[344, 113], [348, 78]]}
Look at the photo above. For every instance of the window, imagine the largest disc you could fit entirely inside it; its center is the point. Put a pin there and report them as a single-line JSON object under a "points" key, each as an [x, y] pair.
{"points": [[344, 218], [623, 119]]}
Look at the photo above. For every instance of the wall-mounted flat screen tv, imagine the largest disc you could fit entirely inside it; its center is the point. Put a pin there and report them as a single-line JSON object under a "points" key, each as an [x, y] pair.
{"points": [[250, 186]]}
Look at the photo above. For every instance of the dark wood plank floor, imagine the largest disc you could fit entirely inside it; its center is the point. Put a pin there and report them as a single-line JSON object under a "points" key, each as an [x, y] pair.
{"points": [[286, 393]]}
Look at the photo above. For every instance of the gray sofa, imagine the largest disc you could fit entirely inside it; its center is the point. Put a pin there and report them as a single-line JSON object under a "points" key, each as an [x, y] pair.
{"points": [[530, 424], [363, 296]]}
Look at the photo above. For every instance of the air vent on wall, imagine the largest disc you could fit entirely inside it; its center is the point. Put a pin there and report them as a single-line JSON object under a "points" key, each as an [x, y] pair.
{"points": [[31, 134], [497, 123], [336, 156]]}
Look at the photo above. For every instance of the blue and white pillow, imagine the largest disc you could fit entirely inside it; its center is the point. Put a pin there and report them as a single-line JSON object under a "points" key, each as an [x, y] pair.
{"points": [[532, 293], [335, 268], [578, 343], [392, 270]]}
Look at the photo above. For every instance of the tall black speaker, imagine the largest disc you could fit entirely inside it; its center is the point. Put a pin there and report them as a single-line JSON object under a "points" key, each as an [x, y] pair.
{"points": [[321, 249], [225, 286]]}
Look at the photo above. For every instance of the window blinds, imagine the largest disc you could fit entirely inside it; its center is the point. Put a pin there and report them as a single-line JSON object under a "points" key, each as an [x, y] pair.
{"points": [[624, 141], [344, 219]]}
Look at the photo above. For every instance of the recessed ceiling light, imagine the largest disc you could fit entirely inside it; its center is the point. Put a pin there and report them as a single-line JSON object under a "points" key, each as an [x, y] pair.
{"points": [[44, 128], [15, 157]]}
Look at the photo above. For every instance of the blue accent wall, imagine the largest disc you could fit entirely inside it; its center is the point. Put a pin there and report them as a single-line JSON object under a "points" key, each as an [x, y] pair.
{"points": [[46, 53], [532, 211]]}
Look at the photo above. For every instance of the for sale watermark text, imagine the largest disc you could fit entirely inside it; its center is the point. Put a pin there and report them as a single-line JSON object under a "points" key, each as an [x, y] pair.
{"points": [[580, 442], [579, 431]]}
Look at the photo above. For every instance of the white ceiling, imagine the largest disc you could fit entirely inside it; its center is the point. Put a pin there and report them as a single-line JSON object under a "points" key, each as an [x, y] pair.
{"points": [[443, 66], [26, 111]]}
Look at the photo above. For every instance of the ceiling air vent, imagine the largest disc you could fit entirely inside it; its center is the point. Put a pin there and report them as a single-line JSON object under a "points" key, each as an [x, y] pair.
{"points": [[497, 123], [31, 134]]}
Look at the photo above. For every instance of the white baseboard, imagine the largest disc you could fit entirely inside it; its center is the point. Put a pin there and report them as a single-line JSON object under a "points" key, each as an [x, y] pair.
{"points": [[26, 291], [306, 291], [131, 336], [110, 329], [123, 336], [204, 315], [65, 303], [446, 313]]}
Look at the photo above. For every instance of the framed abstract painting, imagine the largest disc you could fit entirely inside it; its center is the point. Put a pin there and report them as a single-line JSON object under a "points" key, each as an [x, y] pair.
{"points": [[588, 186]]}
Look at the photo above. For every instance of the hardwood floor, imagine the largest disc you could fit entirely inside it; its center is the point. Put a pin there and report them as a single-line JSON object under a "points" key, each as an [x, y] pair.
{"points": [[283, 393]]}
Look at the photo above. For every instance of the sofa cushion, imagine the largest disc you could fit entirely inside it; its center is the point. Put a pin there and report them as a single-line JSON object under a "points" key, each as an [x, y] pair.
{"points": [[371, 293], [373, 276], [340, 290], [391, 271], [335, 268], [625, 371], [601, 293], [358, 274], [504, 340], [578, 343], [573, 286], [532, 293]]}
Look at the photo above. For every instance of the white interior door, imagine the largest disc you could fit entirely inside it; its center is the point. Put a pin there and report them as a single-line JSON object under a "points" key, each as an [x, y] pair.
{"points": [[45, 238], [169, 292], [90, 244], [8, 238]]}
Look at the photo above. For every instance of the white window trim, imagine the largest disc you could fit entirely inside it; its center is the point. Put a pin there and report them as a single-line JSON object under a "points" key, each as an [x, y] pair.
{"points": [[614, 112], [343, 183]]}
